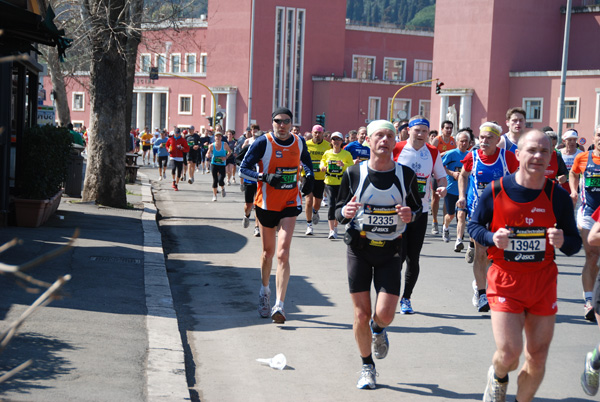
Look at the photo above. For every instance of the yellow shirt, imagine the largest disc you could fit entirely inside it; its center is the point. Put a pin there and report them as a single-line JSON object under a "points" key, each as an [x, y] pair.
{"points": [[333, 175], [316, 154], [146, 138]]}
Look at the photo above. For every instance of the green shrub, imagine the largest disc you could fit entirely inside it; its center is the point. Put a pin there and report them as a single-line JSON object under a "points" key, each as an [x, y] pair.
{"points": [[47, 149]]}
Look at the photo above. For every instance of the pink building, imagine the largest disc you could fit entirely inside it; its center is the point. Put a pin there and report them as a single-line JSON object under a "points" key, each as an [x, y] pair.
{"points": [[493, 55], [303, 56]]}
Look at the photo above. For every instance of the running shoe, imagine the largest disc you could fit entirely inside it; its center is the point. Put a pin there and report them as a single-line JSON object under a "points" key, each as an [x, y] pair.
{"points": [[246, 222], [256, 231], [445, 235], [316, 218], [495, 391], [458, 246], [278, 315], [264, 305], [435, 229], [405, 306], [309, 229], [367, 377], [223, 192], [332, 235], [228, 183], [176, 188], [174, 184], [470, 256], [589, 378], [214, 198], [380, 342], [190, 180], [588, 311], [483, 306], [475, 294], [164, 176], [160, 178]]}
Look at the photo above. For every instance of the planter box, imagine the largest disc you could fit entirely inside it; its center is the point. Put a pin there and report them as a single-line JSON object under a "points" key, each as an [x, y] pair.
{"points": [[34, 213]]}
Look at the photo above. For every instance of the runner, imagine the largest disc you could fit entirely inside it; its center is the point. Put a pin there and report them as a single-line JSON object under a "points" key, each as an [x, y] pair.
{"points": [[444, 143], [481, 167], [278, 202], [591, 371], [194, 157], [360, 152], [177, 145], [218, 152], [163, 154], [426, 162], [230, 163], [334, 163], [588, 164], [528, 216], [146, 139], [377, 199], [249, 186], [515, 121], [452, 164], [569, 152], [316, 147]]}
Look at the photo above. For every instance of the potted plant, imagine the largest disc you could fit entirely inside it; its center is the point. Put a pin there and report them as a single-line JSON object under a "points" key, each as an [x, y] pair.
{"points": [[39, 188]]}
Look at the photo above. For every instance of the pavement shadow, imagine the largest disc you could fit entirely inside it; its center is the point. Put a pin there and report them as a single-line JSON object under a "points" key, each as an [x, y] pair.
{"points": [[47, 365]]}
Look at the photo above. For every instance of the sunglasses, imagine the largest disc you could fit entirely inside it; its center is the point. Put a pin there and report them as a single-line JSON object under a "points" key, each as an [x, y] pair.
{"points": [[282, 121]]}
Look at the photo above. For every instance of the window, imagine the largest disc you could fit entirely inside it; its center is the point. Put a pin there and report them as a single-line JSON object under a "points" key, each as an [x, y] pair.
{"points": [[203, 62], [401, 108], [423, 69], [571, 110], [145, 63], [185, 104], [363, 67], [176, 63], [374, 108], [533, 109], [203, 104], [190, 63], [161, 63], [78, 101], [394, 69], [425, 108]]}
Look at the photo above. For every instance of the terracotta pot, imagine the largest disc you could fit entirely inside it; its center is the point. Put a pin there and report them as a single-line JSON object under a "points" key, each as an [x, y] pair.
{"points": [[31, 213]]}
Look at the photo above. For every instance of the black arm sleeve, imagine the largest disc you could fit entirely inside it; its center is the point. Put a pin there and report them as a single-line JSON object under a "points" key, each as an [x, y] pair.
{"points": [[305, 159], [565, 220]]}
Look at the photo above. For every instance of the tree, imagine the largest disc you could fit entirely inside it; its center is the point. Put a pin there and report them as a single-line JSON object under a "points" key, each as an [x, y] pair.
{"points": [[58, 86], [111, 27]]}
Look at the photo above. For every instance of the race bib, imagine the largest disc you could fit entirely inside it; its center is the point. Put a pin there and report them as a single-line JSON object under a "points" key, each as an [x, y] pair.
{"points": [[526, 244], [380, 219], [316, 165], [334, 168], [289, 178], [592, 181], [218, 160], [480, 187], [421, 183]]}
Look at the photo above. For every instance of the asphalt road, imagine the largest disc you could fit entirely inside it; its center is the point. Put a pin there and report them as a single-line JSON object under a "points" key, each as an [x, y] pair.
{"points": [[441, 353]]}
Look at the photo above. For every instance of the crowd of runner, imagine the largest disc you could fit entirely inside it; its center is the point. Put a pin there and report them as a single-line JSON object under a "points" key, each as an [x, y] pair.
{"points": [[514, 190]]}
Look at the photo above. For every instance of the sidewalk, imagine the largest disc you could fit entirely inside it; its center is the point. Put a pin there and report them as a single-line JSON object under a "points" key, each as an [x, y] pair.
{"points": [[115, 336]]}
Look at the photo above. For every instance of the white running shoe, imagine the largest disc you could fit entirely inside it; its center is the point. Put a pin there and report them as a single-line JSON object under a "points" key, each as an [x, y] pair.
{"points": [[483, 305], [458, 246], [309, 229], [495, 391], [214, 198], [256, 231], [315, 218], [332, 235], [446, 235], [246, 222], [367, 377]]}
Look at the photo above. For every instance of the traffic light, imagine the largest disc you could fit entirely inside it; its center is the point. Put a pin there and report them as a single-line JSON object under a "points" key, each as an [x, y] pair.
{"points": [[438, 87], [153, 73], [321, 119]]}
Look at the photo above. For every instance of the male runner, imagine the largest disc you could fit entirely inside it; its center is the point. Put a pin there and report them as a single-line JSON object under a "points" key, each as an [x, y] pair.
{"points": [[515, 121], [453, 165], [194, 156], [278, 202], [591, 371], [377, 199], [588, 164], [426, 162], [359, 151], [444, 143], [317, 146], [522, 218], [481, 167]]}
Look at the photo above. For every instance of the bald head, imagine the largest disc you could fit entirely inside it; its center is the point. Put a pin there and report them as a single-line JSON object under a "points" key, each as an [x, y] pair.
{"points": [[535, 135]]}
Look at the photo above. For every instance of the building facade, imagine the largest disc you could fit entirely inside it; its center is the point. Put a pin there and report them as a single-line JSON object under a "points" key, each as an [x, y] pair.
{"points": [[300, 54]]}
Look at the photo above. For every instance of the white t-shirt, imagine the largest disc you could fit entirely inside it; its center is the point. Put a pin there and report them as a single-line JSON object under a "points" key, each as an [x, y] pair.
{"points": [[425, 167]]}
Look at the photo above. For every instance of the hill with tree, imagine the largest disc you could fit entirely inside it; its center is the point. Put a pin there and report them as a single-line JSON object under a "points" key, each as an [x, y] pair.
{"points": [[411, 14]]}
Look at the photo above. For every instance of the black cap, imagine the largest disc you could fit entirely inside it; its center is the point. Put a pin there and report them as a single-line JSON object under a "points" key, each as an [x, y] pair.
{"points": [[282, 110]]}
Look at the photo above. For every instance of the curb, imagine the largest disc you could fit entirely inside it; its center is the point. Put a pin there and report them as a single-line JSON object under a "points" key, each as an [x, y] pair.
{"points": [[165, 369]]}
